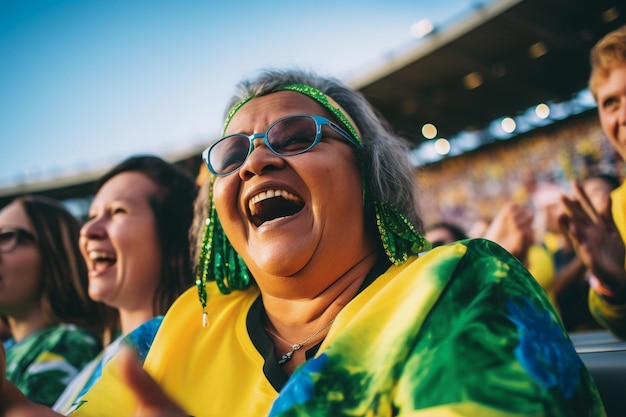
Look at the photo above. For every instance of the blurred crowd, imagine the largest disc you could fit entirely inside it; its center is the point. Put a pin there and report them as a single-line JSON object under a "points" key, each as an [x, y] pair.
{"points": [[516, 187], [473, 186], [72, 294]]}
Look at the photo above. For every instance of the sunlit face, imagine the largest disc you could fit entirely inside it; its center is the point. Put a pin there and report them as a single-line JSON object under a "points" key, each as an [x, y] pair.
{"points": [[120, 243], [611, 98], [20, 269], [314, 222]]}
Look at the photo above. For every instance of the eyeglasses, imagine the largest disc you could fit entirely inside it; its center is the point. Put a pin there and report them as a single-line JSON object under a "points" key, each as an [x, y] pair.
{"points": [[10, 237], [291, 135]]}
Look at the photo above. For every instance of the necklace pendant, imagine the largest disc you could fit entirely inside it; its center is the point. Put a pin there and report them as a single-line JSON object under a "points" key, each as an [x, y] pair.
{"points": [[286, 357]]}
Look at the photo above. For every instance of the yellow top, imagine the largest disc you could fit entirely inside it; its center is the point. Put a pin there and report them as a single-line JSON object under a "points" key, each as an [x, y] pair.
{"points": [[612, 316], [388, 352], [541, 267]]}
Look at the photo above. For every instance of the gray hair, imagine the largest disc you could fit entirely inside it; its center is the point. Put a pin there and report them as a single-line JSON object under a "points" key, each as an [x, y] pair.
{"points": [[389, 175]]}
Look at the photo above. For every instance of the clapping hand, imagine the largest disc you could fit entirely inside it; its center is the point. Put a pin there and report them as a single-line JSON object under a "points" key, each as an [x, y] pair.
{"points": [[512, 228], [595, 239], [151, 400]]}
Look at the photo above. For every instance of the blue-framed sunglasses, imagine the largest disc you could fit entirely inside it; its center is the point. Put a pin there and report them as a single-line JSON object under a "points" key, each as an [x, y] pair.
{"points": [[291, 135]]}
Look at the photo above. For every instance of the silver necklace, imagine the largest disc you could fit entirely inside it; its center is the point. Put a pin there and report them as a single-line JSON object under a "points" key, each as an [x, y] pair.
{"points": [[296, 346]]}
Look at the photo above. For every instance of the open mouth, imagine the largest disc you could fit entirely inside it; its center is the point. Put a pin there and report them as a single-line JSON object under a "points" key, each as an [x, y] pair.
{"points": [[273, 204], [100, 260]]}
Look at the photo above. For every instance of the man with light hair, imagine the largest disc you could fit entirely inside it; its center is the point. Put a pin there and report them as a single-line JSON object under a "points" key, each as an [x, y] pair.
{"points": [[598, 236]]}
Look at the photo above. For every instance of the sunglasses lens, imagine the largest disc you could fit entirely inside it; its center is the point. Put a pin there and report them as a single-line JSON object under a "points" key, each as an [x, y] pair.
{"points": [[289, 136], [228, 154], [292, 135]]}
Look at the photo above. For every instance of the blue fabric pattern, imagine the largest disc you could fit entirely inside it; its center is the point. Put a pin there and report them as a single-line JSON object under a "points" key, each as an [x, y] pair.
{"points": [[299, 389], [544, 350]]}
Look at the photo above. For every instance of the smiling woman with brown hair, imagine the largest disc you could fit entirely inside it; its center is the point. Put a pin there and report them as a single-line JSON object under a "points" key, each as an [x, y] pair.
{"points": [[319, 297], [136, 246]]}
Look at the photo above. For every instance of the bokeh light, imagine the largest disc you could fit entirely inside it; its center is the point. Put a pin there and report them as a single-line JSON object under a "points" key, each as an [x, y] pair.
{"points": [[542, 111], [508, 125], [442, 146], [429, 131]]}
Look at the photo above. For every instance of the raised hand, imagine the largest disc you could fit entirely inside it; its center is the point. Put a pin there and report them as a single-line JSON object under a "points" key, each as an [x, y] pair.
{"points": [[596, 240], [512, 228], [151, 400]]}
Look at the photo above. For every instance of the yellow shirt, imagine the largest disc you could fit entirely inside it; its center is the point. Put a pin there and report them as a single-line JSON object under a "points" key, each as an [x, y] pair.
{"points": [[618, 209], [388, 352], [612, 316], [541, 267]]}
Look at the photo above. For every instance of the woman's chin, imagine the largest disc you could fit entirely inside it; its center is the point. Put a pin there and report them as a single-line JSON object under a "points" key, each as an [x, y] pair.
{"points": [[98, 294]]}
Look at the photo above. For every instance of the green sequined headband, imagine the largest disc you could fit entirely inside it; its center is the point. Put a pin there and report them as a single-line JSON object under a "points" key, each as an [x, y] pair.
{"points": [[218, 260]]}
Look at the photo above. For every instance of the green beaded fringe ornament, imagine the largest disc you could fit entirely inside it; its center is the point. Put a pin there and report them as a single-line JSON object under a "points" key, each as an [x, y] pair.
{"points": [[218, 258], [399, 237]]}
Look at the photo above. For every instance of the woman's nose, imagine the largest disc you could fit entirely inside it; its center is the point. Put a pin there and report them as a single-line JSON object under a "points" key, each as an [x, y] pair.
{"points": [[260, 160], [93, 228]]}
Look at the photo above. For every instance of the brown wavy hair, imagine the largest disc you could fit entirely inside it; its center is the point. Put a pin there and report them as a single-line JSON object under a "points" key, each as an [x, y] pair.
{"points": [[172, 205], [63, 279], [609, 52]]}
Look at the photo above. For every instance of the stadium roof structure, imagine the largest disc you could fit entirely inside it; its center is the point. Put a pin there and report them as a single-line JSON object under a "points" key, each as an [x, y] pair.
{"points": [[81, 185], [502, 59]]}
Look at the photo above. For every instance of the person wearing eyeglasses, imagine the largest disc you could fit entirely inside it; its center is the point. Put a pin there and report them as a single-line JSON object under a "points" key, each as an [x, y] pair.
{"points": [[317, 294], [54, 326]]}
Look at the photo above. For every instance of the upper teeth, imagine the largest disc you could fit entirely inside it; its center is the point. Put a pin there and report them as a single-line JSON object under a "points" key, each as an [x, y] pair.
{"points": [[264, 195], [93, 255]]}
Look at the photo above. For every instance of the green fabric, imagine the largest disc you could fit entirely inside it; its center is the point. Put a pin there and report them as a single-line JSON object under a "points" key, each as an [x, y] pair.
{"points": [[463, 330], [44, 363]]}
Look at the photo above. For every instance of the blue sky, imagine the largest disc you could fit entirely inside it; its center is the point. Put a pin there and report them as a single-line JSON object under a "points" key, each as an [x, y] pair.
{"points": [[86, 83]]}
